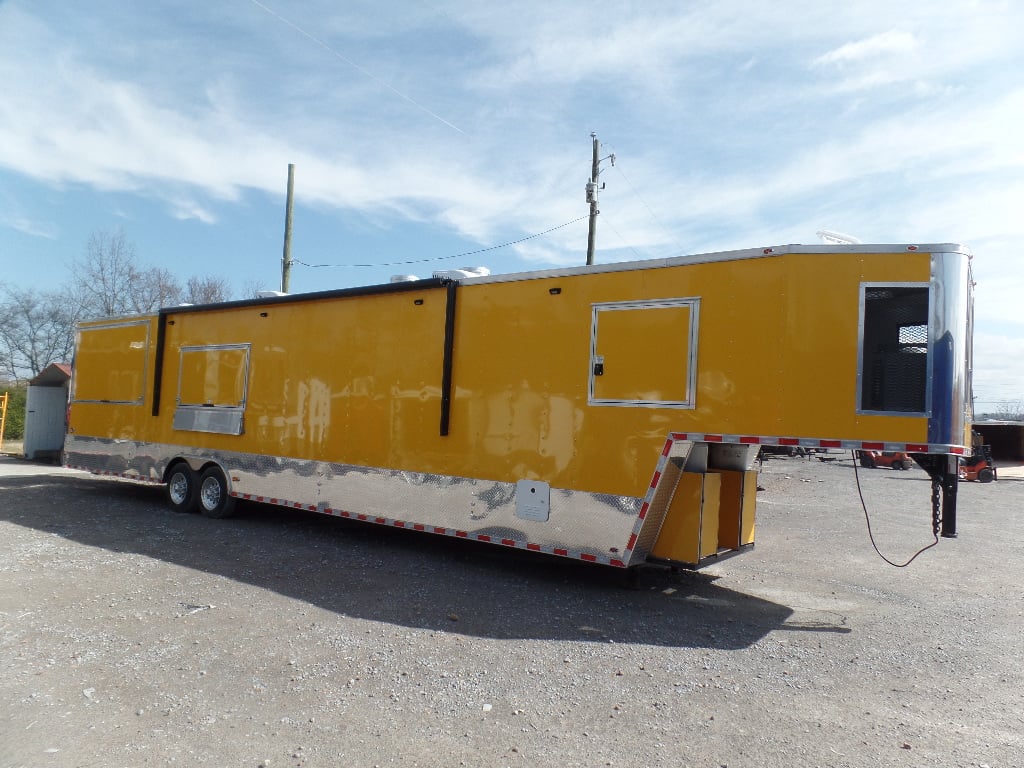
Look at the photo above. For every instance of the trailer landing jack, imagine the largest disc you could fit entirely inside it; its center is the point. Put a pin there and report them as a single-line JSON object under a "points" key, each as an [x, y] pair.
{"points": [[944, 472]]}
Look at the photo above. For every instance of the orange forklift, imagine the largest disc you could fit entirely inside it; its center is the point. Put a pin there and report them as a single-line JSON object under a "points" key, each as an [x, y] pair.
{"points": [[978, 466]]}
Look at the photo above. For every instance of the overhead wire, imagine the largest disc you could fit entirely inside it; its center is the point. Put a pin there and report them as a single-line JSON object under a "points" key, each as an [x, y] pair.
{"points": [[443, 258], [340, 56], [625, 242], [650, 211]]}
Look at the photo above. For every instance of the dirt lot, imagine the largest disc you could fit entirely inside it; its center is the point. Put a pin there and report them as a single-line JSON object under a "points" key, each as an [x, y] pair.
{"points": [[132, 636]]}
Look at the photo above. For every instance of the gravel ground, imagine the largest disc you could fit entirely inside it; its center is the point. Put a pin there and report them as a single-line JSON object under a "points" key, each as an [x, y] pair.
{"points": [[132, 636]]}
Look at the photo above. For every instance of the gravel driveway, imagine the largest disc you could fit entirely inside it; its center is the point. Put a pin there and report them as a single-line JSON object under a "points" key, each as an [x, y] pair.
{"points": [[133, 636]]}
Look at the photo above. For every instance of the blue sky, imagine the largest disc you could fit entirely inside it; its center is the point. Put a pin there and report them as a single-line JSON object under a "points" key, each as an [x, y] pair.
{"points": [[426, 129]]}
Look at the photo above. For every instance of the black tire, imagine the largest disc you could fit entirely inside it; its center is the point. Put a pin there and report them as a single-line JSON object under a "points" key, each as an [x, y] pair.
{"points": [[986, 475], [214, 499], [867, 461], [182, 488], [908, 464]]}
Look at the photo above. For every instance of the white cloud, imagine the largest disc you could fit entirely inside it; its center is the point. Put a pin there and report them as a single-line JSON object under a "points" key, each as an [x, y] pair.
{"points": [[1000, 288], [184, 210], [29, 226], [893, 41], [641, 50], [87, 126], [998, 369], [738, 124]]}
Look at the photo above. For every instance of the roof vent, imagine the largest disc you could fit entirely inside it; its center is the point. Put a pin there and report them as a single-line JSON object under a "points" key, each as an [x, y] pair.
{"points": [[463, 273]]}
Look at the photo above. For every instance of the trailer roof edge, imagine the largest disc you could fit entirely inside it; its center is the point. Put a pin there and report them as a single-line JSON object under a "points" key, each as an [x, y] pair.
{"points": [[292, 298], [737, 255], [556, 272]]}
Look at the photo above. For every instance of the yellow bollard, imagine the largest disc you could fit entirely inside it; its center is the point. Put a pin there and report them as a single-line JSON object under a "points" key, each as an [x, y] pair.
{"points": [[3, 419]]}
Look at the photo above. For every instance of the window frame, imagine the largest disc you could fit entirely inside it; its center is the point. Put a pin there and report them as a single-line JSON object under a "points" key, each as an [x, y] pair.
{"points": [[692, 303], [929, 324], [144, 378], [202, 417]]}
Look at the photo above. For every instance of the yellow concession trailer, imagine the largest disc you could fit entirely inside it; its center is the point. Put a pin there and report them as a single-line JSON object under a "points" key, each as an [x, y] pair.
{"points": [[610, 414]]}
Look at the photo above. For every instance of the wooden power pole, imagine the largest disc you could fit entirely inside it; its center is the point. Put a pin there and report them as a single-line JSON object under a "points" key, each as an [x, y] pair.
{"points": [[593, 186], [286, 261]]}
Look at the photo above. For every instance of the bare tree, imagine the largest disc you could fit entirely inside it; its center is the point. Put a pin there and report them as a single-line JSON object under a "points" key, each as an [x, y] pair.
{"points": [[108, 280], [253, 288], [103, 277], [36, 329], [1010, 410], [206, 290], [152, 289]]}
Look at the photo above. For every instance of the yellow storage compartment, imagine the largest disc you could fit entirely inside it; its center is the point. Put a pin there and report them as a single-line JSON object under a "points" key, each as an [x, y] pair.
{"points": [[737, 503], [690, 530]]}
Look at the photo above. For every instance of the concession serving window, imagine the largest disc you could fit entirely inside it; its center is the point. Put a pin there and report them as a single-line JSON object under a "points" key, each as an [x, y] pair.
{"points": [[212, 386]]}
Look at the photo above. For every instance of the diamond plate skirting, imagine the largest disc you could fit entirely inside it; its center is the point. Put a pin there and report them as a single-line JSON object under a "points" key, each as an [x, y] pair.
{"points": [[601, 528]]}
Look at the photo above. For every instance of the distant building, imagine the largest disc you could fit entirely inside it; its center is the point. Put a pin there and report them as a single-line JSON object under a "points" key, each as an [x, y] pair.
{"points": [[46, 406], [1005, 437]]}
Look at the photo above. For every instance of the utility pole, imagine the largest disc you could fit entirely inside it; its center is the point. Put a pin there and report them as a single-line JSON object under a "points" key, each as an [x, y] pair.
{"points": [[286, 261], [593, 186]]}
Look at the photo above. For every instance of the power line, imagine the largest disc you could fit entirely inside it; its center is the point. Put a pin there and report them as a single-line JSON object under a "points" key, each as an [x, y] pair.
{"points": [[352, 64], [648, 207], [624, 241], [442, 258]]}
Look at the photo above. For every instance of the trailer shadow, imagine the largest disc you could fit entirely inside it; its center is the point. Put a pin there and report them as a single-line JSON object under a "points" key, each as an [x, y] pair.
{"points": [[399, 577]]}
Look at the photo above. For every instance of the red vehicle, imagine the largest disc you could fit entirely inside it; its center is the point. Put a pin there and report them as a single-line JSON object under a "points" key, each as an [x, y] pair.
{"points": [[891, 459], [978, 466]]}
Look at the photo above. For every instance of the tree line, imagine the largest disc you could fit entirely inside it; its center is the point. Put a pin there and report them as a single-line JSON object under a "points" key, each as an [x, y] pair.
{"points": [[1004, 410], [37, 327]]}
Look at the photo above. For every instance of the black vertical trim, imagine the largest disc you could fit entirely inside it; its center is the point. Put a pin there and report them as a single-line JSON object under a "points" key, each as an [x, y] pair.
{"points": [[158, 361], [449, 351]]}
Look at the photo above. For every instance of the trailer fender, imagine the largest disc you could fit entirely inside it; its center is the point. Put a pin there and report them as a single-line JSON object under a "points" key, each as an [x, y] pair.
{"points": [[196, 463]]}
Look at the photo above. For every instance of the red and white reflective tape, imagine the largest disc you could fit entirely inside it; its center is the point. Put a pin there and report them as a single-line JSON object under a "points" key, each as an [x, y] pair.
{"points": [[804, 442], [590, 557], [798, 442], [659, 470], [275, 501]]}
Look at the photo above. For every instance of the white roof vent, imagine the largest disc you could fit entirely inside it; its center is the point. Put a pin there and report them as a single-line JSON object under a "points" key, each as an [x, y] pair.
{"points": [[836, 238], [463, 273]]}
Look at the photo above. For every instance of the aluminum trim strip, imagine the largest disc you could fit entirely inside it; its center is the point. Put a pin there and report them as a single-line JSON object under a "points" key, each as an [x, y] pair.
{"points": [[706, 258], [141, 399], [816, 442], [241, 347], [692, 303]]}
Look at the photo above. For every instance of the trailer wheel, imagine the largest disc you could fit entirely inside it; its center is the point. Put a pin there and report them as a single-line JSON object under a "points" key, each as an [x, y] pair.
{"points": [[214, 499], [986, 475], [182, 486]]}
